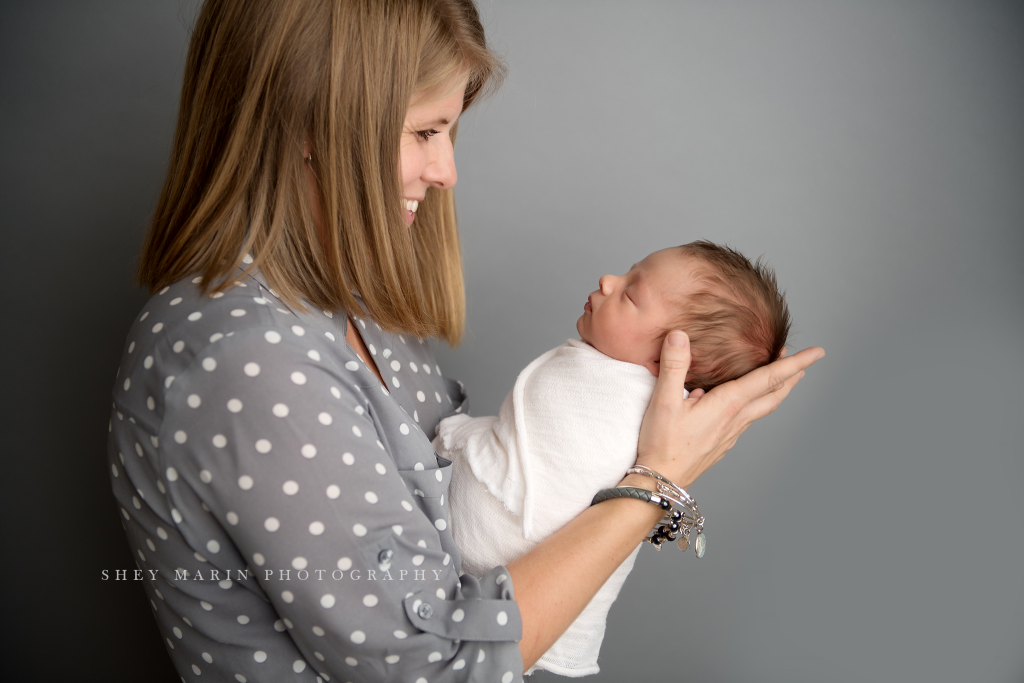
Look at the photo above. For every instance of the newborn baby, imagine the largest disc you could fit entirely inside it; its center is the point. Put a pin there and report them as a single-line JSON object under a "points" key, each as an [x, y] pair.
{"points": [[570, 425]]}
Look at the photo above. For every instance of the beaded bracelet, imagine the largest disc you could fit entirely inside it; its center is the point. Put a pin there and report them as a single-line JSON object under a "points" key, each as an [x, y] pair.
{"points": [[681, 517]]}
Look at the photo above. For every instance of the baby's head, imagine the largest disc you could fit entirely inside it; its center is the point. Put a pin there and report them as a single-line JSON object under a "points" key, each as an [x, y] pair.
{"points": [[732, 310]]}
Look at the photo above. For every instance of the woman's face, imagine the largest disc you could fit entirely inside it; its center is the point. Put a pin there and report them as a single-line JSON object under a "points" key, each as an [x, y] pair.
{"points": [[426, 152]]}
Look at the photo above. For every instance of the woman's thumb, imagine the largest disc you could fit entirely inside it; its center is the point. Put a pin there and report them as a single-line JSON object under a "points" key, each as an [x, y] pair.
{"points": [[675, 359]]}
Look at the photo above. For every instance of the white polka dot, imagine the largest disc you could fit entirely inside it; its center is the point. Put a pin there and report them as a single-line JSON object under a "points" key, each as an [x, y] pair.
{"points": [[392, 659], [272, 524], [213, 546], [440, 524], [387, 354], [359, 530], [169, 381], [397, 528], [247, 259], [344, 564], [356, 431], [502, 618], [438, 368], [437, 396], [205, 476], [225, 584], [280, 410], [373, 351], [308, 451], [370, 497], [263, 446], [290, 487], [316, 528], [194, 401], [287, 596], [150, 403], [358, 637], [298, 377], [317, 631], [113, 468], [434, 657], [240, 678], [370, 600], [401, 635], [232, 518], [352, 365], [347, 458], [417, 560], [413, 367], [127, 383], [209, 364], [407, 505], [394, 380], [421, 543], [238, 313], [208, 658], [251, 369], [380, 468], [329, 336], [420, 396], [438, 475], [335, 393], [216, 337], [440, 593], [458, 615], [178, 346], [172, 474], [272, 336], [313, 354], [480, 656], [351, 661], [150, 544], [298, 666], [461, 664], [396, 366], [333, 491], [161, 533], [404, 428], [260, 561], [131, 347], [180, 436], [298, 330], [418, 467], [219, 440], [260, 300], [206, 606], [507, 677], [158, 327], [234, 405], [260, 656], [242, 619], [148, 362], [325, 419], [177, 632]]}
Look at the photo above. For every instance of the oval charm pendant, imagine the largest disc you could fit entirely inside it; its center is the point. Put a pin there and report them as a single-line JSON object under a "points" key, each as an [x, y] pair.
{"points": [[683, 542], [700, 545]]}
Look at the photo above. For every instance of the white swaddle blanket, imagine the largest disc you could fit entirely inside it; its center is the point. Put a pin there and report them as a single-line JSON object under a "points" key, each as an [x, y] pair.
{"points": [[567, 429]]}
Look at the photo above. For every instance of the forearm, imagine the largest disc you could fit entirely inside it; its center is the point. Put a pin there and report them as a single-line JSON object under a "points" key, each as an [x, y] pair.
{"points": [[555, 581]]}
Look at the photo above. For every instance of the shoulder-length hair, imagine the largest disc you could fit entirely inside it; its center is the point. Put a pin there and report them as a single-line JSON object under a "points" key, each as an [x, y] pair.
{"points": [[264, 78]]}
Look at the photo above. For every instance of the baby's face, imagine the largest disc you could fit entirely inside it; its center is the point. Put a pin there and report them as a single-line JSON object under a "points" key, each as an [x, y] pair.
{"points": [[625, 317]]}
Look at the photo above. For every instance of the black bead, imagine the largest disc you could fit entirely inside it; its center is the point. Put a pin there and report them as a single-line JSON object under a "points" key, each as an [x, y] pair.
{"points": [[673, 526], [665, 505], [677, 515], [656, 540]]}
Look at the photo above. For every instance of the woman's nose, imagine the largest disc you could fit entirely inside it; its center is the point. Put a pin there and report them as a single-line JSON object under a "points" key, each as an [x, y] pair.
{"points": [[440, 171]]}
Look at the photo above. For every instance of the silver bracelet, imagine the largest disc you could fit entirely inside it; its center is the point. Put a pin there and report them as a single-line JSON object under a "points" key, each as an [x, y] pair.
{"points": [[684, 517]]}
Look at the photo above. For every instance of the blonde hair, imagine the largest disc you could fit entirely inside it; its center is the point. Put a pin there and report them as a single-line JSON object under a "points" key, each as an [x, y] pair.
{"points": [[265, 77]]}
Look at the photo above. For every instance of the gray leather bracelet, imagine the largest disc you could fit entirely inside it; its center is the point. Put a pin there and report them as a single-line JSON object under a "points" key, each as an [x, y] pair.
{"points": [[677, 523]]}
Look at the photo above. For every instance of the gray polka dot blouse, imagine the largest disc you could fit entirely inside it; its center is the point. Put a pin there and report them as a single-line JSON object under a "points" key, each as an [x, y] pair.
{"points": [[287, 512]]}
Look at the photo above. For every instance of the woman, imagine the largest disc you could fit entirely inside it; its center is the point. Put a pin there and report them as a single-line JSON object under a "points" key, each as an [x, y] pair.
{"points": [[269, 442]]}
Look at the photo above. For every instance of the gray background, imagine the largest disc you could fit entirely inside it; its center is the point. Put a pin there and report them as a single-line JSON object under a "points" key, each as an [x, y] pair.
{"points": [[873, 151]]}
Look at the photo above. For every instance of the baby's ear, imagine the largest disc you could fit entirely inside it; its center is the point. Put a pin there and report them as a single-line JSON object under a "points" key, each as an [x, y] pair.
{"points": [[654, 366]]}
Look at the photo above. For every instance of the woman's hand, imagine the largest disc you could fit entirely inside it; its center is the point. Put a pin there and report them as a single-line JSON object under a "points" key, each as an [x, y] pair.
{"points": [[682, 438]]}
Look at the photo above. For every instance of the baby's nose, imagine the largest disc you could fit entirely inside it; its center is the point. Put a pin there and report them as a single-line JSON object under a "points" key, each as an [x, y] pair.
{"points": [[605, 284]]}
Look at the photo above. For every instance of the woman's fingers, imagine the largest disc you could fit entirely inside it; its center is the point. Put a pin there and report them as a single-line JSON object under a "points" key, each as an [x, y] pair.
{"points": [[774, 376], [696, 394]]}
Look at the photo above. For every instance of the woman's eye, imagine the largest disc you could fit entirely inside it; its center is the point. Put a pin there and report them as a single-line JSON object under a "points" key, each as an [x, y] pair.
{"points": [[427, 134]]}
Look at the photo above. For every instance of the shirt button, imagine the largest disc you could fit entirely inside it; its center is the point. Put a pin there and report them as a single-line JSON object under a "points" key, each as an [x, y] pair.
{"points": [[425, 611], [385, 555]]}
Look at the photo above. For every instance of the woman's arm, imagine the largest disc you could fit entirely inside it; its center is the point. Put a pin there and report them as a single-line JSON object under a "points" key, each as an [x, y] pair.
{"points": [[680, 438]]}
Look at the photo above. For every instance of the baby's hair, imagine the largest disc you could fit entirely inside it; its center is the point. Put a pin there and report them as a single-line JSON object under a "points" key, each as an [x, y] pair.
{"points": [[737, 319]]}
